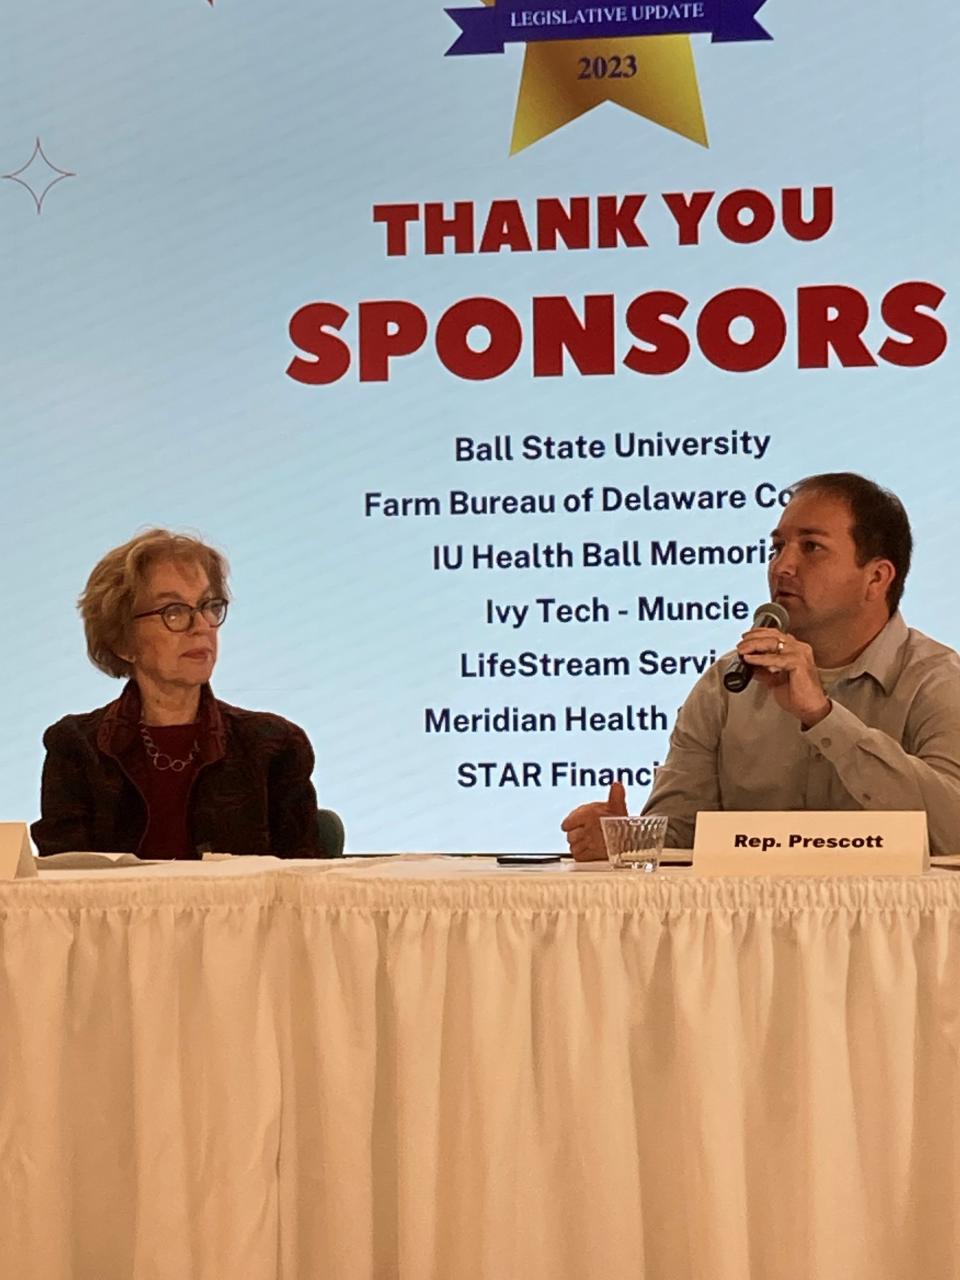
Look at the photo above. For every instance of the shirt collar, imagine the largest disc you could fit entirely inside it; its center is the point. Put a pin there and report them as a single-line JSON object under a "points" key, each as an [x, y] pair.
{"points": [[120, 727], [882, 658]]}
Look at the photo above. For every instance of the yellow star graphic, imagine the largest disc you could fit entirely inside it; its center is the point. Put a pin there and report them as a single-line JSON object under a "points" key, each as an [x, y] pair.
{"points": [[663, 89], [658, 80]]}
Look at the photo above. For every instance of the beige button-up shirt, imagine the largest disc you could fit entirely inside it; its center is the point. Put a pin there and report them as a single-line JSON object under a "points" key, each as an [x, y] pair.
{"points": [[891, 741]]}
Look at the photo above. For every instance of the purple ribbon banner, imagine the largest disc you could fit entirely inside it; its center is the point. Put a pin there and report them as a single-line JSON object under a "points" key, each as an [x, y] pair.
{"points": [[490, 29]]}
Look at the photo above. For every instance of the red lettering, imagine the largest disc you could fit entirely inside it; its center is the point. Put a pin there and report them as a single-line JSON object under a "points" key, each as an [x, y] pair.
{"points": [[617, 222], [757, 205], [396, 217], [309, 331], [458, 227], [505, 228], [688, 213], [927, 338], [667, 346], [763, 345], [820, 221], [557, 328], [832, 315], [572, 226], [506, 338], [388, 329]]}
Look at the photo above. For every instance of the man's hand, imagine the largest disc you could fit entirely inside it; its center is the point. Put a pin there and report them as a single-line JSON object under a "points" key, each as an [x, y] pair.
{"points": [[785, 665], [582, 826]]}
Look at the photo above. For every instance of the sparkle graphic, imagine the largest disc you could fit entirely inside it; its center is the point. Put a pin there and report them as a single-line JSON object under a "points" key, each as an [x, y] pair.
{"points": [[38, 175]]}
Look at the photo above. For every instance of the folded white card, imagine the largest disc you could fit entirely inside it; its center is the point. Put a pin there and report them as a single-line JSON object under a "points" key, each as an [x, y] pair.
{"points": [[16, 856], [810, 842]]}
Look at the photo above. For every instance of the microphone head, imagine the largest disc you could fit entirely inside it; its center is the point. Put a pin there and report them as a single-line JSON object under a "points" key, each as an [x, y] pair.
{"points": [[772, 615]]}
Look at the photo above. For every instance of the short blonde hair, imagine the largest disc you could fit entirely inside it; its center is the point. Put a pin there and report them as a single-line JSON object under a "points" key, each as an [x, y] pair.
{"points": [[109, 598]]}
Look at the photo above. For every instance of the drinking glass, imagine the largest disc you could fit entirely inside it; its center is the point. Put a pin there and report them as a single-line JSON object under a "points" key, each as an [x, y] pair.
{"points": [[634, 842]]}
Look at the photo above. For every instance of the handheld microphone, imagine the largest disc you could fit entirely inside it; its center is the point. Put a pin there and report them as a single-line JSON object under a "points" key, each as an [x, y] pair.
{"points": [[739, 673]]}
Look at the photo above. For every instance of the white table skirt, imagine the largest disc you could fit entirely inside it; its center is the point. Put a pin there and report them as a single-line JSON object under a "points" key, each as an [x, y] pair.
{"points": [[436, 1069]]}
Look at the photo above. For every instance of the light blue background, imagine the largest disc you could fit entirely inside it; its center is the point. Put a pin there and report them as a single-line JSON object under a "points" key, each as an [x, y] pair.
{"points": [[227, 160]]}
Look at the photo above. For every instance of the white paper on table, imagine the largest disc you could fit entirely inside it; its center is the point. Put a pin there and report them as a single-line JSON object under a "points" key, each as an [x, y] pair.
{"points": [[80, 860]]}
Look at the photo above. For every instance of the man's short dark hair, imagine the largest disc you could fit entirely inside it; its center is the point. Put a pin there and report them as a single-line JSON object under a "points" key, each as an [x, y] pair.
{"points": [[880, 530]]}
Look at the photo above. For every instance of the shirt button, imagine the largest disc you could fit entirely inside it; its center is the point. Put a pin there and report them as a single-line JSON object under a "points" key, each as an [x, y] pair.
{"points": [[825, 742]]}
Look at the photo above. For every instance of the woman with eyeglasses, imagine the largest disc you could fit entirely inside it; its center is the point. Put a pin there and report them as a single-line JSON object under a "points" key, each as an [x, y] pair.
{"points": [[167, 770]]}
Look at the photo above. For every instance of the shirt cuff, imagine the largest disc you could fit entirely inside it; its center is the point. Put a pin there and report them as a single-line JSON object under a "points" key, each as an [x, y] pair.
{"points": [[837, 733]]}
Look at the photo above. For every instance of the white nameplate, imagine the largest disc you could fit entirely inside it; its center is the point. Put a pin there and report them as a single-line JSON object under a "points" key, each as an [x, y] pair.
{"points": [[16, 856], [811, 843]]}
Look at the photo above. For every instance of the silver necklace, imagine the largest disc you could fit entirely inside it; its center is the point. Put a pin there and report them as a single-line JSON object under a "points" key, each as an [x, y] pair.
{"points": [[159, 759]]}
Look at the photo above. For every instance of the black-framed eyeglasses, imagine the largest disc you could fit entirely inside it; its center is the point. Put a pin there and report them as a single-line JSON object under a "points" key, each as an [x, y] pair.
{"points": [[179, 617]]}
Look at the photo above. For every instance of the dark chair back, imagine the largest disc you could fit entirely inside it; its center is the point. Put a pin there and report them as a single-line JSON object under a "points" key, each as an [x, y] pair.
{"points": [[331, 833]]}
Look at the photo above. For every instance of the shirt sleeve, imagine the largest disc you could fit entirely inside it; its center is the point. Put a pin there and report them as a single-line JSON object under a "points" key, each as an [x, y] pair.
{"points": [[66, 802], [688, 780], [294, 824], [880, 773]]}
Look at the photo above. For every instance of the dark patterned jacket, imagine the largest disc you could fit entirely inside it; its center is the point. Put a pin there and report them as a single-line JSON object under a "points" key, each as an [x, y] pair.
{"points": [[252, 792]]}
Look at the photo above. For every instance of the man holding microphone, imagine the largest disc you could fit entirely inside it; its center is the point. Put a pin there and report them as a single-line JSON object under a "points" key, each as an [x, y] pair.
{"points": [[847, 709]]}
